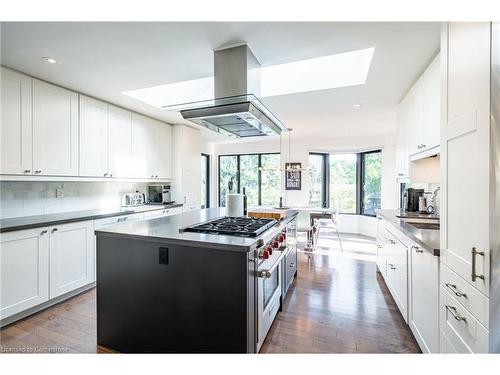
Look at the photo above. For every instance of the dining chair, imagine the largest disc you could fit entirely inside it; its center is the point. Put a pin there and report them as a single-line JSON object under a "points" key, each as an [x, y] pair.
{"points": [[331, 223], [304, 226]]}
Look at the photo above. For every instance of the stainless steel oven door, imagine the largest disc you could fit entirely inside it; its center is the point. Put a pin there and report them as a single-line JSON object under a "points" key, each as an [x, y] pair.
{"points": [[268, 294]]}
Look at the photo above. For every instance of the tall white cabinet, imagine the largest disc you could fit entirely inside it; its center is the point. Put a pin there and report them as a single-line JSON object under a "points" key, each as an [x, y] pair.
{"points": [[187, 167], [466, 199], [119, 142], [55, 130], [17, 126]]}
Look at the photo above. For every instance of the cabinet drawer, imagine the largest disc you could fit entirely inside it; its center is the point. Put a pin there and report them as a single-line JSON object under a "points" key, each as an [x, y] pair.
{"points": [[468, 296], [460, 327], [115, 220], [291, 265]]}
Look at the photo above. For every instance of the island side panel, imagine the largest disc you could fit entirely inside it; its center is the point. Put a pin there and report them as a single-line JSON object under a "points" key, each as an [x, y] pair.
{"points": [[196, 303]]}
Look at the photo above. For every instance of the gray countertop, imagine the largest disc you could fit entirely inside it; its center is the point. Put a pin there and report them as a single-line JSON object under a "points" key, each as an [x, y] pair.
{"points": [[29, 222], [168, 230], [428, 239]]}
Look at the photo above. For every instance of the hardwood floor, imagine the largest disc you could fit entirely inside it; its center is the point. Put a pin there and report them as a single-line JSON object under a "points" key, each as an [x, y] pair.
{"points": [[338, 304]]}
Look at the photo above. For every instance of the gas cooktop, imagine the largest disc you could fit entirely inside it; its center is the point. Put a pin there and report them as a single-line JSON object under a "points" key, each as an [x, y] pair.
{"points": [[234, 226]]}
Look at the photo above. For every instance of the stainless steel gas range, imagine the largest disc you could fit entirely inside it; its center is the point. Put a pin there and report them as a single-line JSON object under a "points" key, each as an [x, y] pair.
{"points": [[276, 258]]}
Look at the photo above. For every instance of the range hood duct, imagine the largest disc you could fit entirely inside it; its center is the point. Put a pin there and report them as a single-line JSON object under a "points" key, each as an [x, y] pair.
{"points": [[236, 110]]}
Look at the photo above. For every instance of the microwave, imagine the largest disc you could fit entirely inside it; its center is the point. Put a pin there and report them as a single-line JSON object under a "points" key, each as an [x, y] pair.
{"points": [[159, 194]]}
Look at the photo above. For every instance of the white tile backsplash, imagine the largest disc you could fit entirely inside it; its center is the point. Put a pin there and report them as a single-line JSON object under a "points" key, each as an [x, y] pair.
{"points": [[26, 198]]}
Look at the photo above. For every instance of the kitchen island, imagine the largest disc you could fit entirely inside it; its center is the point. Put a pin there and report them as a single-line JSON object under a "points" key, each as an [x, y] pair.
{"points": [[161, 289]]}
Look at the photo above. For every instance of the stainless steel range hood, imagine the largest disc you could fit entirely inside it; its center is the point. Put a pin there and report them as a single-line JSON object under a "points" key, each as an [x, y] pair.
{"points": [[236, 110]]}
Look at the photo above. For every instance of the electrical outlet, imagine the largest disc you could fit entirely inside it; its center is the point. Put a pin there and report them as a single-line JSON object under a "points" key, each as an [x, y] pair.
{"points": [[59, 193], [163, 255]]}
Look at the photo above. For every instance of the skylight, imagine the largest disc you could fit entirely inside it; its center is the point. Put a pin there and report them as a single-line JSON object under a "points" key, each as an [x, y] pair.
{"points": [[175, 93], [321, 73]]}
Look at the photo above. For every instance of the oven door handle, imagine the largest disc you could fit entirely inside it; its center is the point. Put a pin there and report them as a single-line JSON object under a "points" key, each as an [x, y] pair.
{"points": [[266, 274]]}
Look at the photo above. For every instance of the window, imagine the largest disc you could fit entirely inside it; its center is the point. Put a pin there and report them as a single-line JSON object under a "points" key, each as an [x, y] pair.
{"points": [[371, 177], [205, 181], [317, 180], [259, 174], [270, 180], [343, 182], [349, 182], [228, 168]]}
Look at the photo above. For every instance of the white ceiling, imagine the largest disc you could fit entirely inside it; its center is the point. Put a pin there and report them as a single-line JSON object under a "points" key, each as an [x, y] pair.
{"points": [[106, 59]]}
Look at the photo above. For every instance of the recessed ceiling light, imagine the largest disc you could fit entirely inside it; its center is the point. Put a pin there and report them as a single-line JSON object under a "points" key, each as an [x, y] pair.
{"points": [[50, 60], [357, 105]]}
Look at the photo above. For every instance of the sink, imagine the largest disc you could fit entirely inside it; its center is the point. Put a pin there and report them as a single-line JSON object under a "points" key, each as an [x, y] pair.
{"points": [[419, 225]]}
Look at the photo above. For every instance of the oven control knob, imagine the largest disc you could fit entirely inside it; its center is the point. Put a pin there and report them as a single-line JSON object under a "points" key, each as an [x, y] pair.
{"points": [[281, 238], [275, 244], [265, 254], [284, 235], [269, 250]]}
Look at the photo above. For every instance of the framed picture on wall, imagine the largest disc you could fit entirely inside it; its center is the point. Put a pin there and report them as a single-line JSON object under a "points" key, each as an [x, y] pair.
{"points": [[293, 176]]}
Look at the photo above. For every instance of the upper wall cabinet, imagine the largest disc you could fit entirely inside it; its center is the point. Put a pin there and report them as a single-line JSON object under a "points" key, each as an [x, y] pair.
{"points": [[419, 118], [50, 131], [151, 148], [93, 137], [119, 142], [55, 130], [16, 124]]}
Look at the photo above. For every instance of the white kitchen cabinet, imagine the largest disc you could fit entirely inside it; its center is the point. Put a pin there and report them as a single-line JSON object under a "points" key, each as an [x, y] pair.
{"points": [[381, 244], [24, 276], [93, 137], [16, 123], [187, 168], [418, 126], [143, 146], [55, 130], [424, 304], [71, 257], [119, 142], [163, 149], [397, 273], [432, 105]]}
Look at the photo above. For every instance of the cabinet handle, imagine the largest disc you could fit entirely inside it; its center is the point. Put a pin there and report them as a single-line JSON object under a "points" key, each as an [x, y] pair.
{"points": [[453, 311], [43, 232], [474, 276], [27, 171], [391, 266], [424, 146], [379, 246], [38, 171], [392, 242], [111, 175], [54, 230], [121, 219], [156, 176], [417, 249], [292, 265], [105, 175], [185, 200], [454, 289]]}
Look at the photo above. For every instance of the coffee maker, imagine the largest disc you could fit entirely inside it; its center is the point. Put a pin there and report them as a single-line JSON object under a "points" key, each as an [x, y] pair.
{"points": [[413, 198]]}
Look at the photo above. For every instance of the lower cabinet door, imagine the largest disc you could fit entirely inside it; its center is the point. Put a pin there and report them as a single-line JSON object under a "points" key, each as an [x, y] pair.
{"points": [[424, 306], [24, 273], [71, 257]]}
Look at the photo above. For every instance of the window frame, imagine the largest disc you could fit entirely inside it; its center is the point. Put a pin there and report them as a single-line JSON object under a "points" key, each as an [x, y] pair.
{"points": [[325, 194], [361, 192], [207, 176], [238, 180]]}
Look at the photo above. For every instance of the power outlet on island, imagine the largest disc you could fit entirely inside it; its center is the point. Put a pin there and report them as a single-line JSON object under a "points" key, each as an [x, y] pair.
{"points": [[59, 193]]}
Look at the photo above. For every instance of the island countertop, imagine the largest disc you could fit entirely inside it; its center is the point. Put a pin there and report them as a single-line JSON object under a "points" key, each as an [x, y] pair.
{"points": [[169, 230], [428, 239]]}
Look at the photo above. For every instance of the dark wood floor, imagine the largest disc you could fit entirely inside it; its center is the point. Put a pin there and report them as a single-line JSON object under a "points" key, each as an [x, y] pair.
{"points": [[338, 304]]}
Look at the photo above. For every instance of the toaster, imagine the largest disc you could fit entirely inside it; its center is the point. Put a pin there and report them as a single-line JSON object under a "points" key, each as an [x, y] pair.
{"points": [[133, 199]]}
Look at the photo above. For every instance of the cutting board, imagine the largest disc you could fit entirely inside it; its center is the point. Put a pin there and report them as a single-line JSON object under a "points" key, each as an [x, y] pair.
{"points": [[268, 213]]}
